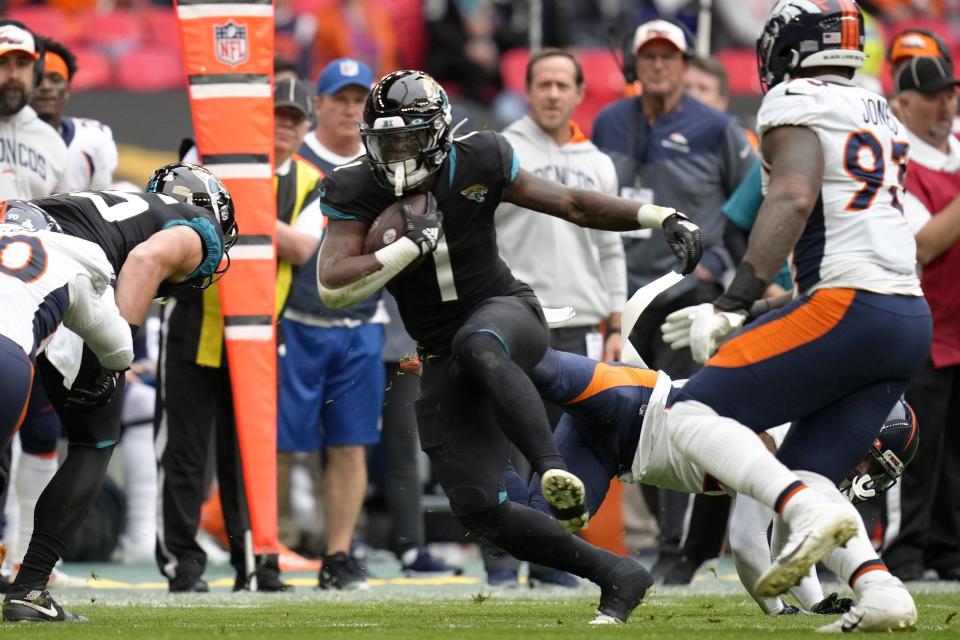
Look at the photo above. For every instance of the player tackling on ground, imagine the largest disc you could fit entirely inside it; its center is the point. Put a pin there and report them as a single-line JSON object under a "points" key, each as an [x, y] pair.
{"points": [[834, 361], [478, 329]]}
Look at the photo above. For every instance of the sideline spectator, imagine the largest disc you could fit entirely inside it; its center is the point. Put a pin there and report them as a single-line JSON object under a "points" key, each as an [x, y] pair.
{"points": [[91, 151], [928, 535], [566, 265], [341, 91], [38, 170], [331, 372], [672, 149]]}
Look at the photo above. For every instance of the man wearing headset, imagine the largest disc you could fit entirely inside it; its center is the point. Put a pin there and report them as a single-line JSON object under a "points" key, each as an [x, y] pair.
{"points": [[32, 155]]}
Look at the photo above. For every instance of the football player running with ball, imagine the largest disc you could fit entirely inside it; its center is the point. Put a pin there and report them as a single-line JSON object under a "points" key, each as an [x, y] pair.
{"points": [[834, 162], [479, 330]]}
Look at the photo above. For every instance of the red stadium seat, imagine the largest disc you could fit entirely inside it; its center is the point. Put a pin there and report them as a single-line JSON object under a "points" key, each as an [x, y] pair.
{"points": [[49, 22], [161, 28], [151, 69], [411, 32], [513, 66], [115, 29], [741, 66], [94, 70]]}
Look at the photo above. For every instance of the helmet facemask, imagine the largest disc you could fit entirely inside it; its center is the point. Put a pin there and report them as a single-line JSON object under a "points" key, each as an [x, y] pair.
{"points": [[404, 155], [879, 471]]}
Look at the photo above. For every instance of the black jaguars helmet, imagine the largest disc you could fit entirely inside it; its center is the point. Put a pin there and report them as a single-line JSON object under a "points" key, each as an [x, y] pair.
{"points": [[809, 33], [198, 186], [28, 216], [406, 129], [892, 451]]}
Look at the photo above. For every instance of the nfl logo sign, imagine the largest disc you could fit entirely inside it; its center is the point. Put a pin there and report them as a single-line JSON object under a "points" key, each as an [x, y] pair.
{"points": [[230, 43]]}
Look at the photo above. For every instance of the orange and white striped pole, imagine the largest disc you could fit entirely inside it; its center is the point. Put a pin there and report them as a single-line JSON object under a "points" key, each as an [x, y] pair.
{"points": [[228, 56]]}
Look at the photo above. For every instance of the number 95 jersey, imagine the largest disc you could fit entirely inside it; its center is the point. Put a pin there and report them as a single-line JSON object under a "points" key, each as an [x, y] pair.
{"points": [[856, 236]]}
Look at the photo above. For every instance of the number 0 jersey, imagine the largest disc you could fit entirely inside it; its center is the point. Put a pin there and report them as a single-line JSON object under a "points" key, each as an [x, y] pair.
{"points": [[38, 285], [117, 221], [856, 236], [466, 269]]}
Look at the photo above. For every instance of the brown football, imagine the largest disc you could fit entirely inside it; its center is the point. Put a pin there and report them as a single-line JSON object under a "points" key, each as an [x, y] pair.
{"points": [[389, 225]]}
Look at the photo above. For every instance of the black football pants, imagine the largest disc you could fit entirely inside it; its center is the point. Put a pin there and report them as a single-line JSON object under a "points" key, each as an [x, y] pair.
{"points": [[195, 406]]}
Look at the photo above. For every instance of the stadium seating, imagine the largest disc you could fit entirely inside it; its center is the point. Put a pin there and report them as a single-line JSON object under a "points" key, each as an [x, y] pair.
{"points": [[151, 69], [95, 71], [49, 22]]}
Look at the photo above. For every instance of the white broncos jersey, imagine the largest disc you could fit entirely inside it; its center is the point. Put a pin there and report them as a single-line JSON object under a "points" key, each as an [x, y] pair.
{"points": [[91, 154], [856, 236], [47, 278]]}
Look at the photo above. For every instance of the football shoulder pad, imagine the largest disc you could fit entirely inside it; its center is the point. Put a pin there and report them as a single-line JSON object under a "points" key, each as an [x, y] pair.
{"points": [[803, 102]]}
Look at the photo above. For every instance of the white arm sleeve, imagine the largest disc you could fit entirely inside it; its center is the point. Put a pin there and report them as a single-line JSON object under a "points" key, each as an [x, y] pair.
{"points": [[394, 258], [748, 544], [98, 321]]}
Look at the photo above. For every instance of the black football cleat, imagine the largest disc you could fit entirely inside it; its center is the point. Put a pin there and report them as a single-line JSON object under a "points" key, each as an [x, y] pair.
{"points": [[37, 606], [622, 592]]}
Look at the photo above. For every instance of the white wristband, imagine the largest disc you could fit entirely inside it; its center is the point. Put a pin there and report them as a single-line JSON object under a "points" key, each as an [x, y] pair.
{"points": [[651, 216], [396, 256]]}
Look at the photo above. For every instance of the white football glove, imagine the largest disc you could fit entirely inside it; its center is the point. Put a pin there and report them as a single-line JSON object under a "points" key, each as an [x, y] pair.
{"points": [[700, 327]]}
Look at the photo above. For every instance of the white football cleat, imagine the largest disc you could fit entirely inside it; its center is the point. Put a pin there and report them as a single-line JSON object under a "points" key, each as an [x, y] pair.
{"points": [[815, 532], [881, 608], [602, 618], [565, 494]]}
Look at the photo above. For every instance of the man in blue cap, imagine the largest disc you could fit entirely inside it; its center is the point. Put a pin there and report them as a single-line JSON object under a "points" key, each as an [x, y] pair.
{"points": [[332, 377], [341, 91]]}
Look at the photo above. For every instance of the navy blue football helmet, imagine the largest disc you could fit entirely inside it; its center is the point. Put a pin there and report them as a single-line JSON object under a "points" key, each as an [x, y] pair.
{"points": [[809, 33], [892, 451], [406, 129], [28, 216]]}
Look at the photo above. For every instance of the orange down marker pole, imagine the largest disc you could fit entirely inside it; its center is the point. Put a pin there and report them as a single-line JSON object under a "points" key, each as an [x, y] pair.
{"points": [[228, 55]]}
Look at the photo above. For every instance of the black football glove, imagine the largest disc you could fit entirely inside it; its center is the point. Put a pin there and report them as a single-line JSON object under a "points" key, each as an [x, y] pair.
{"points": [[96, 393], [685, 240], [833, 605], [425, 230]]}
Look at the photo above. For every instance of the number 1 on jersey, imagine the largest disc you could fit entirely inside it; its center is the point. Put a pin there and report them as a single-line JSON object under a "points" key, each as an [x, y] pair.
{"points": [[445, 281]]}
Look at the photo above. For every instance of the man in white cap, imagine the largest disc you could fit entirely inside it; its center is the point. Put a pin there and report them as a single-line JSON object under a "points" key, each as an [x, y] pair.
{"points": [[32, 155]]}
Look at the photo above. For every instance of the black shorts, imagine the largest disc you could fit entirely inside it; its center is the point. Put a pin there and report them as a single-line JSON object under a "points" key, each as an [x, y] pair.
{"points": [[99, 427]]}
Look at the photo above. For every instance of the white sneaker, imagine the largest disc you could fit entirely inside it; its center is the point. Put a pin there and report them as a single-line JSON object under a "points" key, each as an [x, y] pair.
{"points": [[882, 608], [815, 532], [60, 580], [565, 494]]}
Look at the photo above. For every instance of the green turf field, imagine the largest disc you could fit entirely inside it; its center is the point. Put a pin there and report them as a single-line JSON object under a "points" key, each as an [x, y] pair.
{"points": [[515, 615], [131, 602]]}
